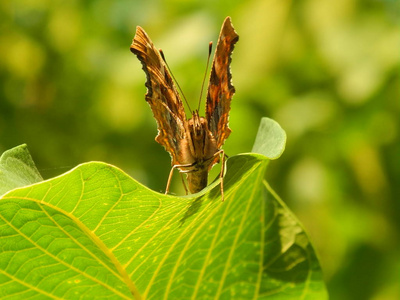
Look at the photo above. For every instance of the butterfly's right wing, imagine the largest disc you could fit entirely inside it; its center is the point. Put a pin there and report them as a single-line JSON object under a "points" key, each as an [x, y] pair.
{"points": [[220, 88], [161, 95]]}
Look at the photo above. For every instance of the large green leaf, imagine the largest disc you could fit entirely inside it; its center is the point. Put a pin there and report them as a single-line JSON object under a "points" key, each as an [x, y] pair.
{"points": [[94, 232]]}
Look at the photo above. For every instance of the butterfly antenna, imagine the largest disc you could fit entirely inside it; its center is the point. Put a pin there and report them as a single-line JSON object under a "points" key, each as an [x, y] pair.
{"points": [[205, 73], [179, 87]]}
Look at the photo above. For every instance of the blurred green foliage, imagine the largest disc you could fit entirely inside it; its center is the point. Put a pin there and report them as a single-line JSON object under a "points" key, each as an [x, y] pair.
{"points": [[327, 71]]}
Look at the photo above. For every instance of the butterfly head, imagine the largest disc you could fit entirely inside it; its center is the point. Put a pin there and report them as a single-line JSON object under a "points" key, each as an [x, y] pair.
{"points": [[201, 141]]}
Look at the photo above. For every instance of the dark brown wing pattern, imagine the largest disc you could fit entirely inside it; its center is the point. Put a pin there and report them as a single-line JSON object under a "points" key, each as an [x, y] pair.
{"points": [[161, 95], [220, 88]]}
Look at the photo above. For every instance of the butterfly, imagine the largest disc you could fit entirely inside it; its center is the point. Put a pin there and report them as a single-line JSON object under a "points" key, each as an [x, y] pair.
{"points": [[194, 144]]}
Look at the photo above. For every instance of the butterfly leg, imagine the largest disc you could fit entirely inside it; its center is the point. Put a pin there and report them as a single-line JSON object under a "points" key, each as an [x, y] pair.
{"points": [[221, 174], [169, 178], [184, 183]]}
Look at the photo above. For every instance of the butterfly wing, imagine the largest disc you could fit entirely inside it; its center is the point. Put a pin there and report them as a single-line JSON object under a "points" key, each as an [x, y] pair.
{"points": [[161, 95], [220, 88]]}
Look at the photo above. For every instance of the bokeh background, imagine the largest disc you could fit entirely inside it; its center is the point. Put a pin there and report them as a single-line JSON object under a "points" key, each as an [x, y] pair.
{"points": [[327, 71]]}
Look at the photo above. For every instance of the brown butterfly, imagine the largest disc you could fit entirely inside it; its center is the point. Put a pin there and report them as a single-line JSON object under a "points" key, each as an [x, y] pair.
{"points": [[194, 144]]}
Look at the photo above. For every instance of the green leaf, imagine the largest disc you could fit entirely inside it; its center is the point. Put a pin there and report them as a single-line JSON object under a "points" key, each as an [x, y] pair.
{"points": [[270, 139], [94, 232], [17, 169]]}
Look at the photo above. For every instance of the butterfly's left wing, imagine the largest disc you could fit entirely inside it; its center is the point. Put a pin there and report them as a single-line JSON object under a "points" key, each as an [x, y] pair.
{"points": [[220, 88], [162, 96]]}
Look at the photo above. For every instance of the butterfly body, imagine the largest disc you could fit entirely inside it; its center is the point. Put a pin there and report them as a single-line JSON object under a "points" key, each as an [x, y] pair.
{"points": [[200, 154], [195, 144]]}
